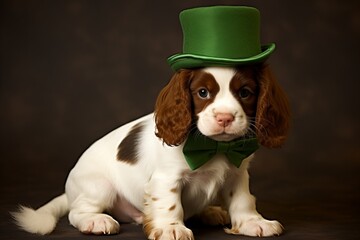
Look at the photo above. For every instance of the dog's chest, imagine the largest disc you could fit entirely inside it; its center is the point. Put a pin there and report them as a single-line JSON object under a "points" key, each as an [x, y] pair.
{"points": [[202, 187]]}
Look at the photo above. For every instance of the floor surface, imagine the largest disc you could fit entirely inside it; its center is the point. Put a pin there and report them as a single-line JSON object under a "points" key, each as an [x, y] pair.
{"points": [[317, 209]]}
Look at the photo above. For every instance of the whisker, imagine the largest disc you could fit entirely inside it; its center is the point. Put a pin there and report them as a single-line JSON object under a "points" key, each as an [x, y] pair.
{"points": [[260, 129]]}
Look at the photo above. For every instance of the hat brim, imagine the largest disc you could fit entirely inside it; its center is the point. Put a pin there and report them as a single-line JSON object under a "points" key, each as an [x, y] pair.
{"points": [[186, 60]]}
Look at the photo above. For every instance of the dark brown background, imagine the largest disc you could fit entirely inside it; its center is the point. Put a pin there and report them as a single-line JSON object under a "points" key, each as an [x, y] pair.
{"points": [[71, 71]]}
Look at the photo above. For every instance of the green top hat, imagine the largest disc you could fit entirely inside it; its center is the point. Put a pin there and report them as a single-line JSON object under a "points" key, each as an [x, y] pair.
{"points": [[220, 36]]}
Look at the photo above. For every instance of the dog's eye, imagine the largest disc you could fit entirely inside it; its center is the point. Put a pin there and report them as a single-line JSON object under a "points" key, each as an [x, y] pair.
{"points": [[203, 93], [245, 92]]}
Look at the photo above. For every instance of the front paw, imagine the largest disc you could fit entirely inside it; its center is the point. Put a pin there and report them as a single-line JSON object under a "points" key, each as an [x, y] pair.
{"points": [[256, 227], [99, 224], [172, 232]]}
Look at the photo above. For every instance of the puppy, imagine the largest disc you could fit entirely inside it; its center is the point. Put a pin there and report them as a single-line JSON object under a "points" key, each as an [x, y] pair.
{"points": [[139, 172]]}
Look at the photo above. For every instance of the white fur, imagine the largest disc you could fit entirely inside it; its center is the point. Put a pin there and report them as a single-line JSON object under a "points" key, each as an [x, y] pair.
{"points": [[100, 183], [43, 220]]}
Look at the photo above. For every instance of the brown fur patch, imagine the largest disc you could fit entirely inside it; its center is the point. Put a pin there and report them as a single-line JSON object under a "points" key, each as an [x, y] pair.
{"points": [[246, 79], [172, 207], [203, 80], [173, 190], [173, 109], [273, 111], [127, 150], [148, 226]]}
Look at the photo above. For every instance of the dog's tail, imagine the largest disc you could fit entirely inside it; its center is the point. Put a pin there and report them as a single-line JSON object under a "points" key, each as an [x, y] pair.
{"points": [[43, 220]]}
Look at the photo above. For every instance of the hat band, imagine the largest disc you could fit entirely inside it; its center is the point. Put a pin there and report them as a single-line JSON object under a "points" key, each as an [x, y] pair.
{"points": [[186, 60], [217, 48]]}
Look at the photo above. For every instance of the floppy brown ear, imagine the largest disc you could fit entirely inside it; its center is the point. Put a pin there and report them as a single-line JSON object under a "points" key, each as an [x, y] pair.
{"points": [[273, 112], [173, 109]]}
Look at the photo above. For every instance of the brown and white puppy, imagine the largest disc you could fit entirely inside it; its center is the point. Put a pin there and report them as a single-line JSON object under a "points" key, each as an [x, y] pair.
{"points": [[137, 173]]}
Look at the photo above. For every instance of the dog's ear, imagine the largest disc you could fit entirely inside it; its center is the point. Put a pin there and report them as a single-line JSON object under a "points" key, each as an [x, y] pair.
{"points": [[173, 115], [273, 112]]}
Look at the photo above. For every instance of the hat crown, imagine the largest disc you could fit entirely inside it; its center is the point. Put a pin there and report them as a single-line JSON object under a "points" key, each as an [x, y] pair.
{"points": [[221, 31], [220, 36]]}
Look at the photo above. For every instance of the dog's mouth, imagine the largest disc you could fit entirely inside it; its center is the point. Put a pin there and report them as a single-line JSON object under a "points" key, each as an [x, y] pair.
{"points": [[223, 137], [227, 136], [213, 130]]}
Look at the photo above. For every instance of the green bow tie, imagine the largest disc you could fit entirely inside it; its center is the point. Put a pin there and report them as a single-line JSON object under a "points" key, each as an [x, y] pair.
{"points": [[199, 149]]}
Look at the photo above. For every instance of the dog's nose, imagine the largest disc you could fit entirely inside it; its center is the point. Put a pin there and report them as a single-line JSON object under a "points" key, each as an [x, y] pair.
{"points": [[224, 119]]}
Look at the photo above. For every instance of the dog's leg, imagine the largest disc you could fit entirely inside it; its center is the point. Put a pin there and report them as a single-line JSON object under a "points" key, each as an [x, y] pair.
{"points": [[163, 210], [245, 220], [88, 199], [214, 216]]}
